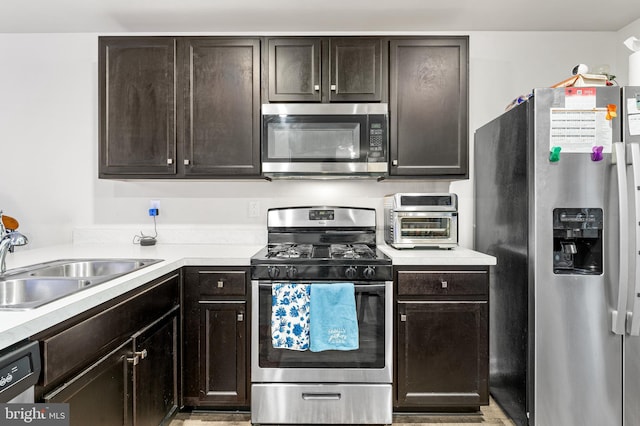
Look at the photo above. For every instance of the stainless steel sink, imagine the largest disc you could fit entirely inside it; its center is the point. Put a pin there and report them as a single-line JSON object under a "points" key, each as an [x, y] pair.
{"points": [[89, 268], [37, 285]]}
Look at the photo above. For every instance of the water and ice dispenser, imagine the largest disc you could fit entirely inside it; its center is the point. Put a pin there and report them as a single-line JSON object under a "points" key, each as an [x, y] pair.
{"points": [[577, 241]]}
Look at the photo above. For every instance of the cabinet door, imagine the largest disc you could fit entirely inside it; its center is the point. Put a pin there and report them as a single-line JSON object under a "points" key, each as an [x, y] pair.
{"points": [[155, 371], [355, 69], [101, 394], [429, 107], [221, 79], [137, 106], [442, 355], [223, 349], [294, 69]]}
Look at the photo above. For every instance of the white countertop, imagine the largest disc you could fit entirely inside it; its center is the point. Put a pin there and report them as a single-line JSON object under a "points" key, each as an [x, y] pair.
{"points": [[457, 256], [19, 325]]}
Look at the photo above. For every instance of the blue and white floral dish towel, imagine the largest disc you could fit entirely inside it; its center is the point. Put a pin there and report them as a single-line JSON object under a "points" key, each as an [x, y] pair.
{"points": [[333, 323], [290, 316]]}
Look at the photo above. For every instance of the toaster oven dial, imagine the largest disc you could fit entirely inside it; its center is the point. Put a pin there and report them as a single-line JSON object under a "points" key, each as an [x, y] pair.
{"points": [[351, 272], [292, 272], [369, 272], [273, 271]]}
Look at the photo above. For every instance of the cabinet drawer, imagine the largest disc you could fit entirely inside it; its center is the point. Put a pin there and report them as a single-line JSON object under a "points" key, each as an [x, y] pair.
{"points": [[222, 283], [442, 283]]}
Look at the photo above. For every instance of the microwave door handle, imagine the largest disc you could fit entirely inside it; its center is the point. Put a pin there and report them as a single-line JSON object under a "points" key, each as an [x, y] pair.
{"points": [[618, 316], [634, 315]]}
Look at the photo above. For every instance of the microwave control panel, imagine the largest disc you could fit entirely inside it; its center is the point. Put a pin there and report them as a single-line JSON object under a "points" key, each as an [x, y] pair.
{"points": [[377, 137]]}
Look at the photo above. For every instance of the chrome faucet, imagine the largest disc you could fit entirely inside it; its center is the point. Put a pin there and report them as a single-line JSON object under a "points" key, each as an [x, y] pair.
{"points": [[8, 240]]}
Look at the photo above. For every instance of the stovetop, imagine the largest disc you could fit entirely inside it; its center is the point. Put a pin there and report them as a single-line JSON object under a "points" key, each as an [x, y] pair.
{"points": [[320, 251], [321, 243], [321, 262]]}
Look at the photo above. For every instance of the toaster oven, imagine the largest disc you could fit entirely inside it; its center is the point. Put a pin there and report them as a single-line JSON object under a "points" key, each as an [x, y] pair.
{"points": [[421, 220]]}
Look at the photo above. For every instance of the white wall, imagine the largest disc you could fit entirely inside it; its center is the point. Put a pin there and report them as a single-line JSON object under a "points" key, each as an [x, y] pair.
{"points": [[49, 137]]}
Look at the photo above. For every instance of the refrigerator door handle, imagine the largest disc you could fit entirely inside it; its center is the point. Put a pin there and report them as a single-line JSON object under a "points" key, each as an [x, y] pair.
{"points": [[618, 316], [633, 320]]}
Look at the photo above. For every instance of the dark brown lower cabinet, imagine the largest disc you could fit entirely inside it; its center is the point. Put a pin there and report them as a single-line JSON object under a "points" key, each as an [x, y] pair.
{"points": [[442, 339], [118, 363], [216, 338], [100, 394], [155, 373], [224, 347]]}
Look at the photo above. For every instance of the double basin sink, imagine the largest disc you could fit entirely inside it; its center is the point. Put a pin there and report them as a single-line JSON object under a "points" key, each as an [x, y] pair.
{"points": [[37, 285]]}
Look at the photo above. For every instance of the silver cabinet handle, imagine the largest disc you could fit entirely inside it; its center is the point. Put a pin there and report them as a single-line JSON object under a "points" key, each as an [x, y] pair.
{"points": [[403, 318], [618, 316], [394, 162], [240, 317], [169, 160], [316, 87], [186, 162], [220, 284], [333, 87], [444, 284], [633, 326], [137, 356]]}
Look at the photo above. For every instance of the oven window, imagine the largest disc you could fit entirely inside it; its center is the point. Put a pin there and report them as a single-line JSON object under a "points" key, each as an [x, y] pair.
{"points": [[425, 227], [313, 141], [371, 321]]}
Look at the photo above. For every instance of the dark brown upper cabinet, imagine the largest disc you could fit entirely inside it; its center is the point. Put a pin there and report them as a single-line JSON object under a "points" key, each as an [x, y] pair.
{"points": [[428, 106], [333, 69], [221, 81], [137, 106], [179, 107]]}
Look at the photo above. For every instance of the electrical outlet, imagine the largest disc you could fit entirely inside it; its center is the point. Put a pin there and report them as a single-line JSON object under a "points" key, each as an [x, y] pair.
{"points": [[154, 208], [254, 209]]}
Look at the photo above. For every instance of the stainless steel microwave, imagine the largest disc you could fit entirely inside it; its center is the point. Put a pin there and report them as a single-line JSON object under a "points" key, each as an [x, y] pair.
{"points": [[325, 140]]}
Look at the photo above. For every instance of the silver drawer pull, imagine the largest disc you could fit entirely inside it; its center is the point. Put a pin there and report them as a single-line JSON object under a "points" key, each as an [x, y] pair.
{"points": [[444, 284], [316, 87], [220, 284], [403, 318], [169, 160], [324, 396], [333, 87], [240, 317]]}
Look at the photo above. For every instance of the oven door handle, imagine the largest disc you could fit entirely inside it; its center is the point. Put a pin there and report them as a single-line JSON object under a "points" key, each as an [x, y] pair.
{"points": [[334, 396], [357, 286]]}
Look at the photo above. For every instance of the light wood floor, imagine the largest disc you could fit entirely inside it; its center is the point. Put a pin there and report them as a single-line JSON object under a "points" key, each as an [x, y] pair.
{"points": [[490, 415]]}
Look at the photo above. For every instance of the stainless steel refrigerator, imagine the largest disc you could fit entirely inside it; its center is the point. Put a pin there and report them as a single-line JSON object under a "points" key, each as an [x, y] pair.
{"points": [[556, 202]]}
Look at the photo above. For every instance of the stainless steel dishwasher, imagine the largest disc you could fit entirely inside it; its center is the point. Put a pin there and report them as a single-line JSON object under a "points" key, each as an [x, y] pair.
{"points": [[19, 372]]}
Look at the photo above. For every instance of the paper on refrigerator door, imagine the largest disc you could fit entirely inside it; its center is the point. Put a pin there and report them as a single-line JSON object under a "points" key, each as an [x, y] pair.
{"points": [[578, 130], [633, 117]]}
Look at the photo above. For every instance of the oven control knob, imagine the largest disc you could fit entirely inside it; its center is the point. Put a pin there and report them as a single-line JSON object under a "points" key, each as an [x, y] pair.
{"points": [[369, 272], [292, 271], [351, 272], [274, 272]]}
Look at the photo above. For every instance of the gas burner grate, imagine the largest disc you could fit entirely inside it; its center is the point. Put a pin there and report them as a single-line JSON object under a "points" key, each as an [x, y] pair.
{"points": [[351, 251], [290, 251]]}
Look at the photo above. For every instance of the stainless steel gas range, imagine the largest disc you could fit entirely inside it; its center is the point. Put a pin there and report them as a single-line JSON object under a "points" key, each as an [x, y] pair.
{"points": [[308, 246]]}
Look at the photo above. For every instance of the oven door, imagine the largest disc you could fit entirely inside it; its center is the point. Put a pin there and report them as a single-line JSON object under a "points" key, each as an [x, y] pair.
{"points": [[324, 139], [438, 229], [371, 363]]}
